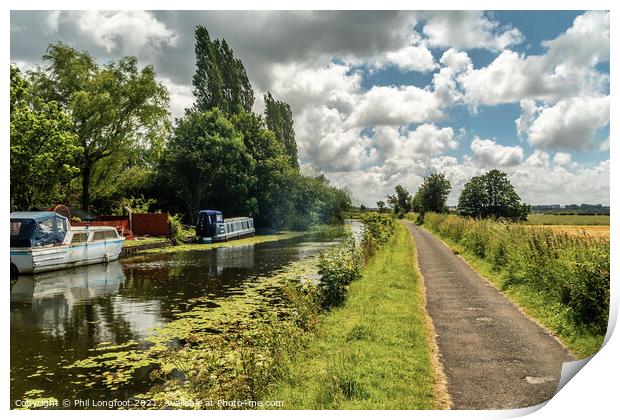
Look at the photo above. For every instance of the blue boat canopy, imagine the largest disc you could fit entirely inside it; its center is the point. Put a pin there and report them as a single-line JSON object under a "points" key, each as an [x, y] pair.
{"points": [[37, 228]]}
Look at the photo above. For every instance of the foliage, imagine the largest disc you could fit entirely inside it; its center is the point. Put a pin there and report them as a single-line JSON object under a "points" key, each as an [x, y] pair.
{"points": [[571, 272], [138, 204], [381, 206], [279, 119], [119, 113], [176, 232], [492, 195], [220, 80], [400, 203], [43, 147], [272, 190], [432, 195], [207, 164], [340, 266]]}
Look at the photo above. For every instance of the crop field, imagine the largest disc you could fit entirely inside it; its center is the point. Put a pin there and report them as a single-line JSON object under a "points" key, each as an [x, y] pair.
{"points": [[582, 230], [568, 219]]}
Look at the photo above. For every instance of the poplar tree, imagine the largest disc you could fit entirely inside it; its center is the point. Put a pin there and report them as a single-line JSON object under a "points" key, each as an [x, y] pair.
{"points": [[279, 119], [220, 80]]}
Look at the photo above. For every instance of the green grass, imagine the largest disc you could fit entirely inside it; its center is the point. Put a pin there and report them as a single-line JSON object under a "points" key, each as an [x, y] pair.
{"points": [[238, 242], [371, 353], [143, 241], [568, 219], [580, 340]]}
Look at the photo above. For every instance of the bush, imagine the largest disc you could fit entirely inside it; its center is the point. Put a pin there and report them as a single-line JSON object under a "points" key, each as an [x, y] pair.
{"points": [[340, 266]]}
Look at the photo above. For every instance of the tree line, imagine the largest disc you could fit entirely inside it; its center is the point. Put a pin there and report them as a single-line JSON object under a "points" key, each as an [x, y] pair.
{"points": [[486, 196], [99, 137]]}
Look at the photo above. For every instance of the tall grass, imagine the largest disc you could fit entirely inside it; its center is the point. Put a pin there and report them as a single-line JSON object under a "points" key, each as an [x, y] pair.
{"points": [[567, 276]]}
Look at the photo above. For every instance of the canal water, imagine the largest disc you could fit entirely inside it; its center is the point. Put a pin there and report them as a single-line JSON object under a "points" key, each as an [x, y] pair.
{"points": [[62, 317]]}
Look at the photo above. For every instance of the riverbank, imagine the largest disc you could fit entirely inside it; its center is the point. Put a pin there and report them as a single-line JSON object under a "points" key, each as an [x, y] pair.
{"points": [[373, 352], [280, 236]]}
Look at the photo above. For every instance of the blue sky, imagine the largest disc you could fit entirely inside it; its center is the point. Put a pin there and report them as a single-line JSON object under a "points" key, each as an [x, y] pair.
{"points": [[385, 98]]}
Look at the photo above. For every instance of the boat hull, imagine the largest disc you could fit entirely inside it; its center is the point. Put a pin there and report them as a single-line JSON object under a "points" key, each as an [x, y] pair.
{"points": [[58, 257]]}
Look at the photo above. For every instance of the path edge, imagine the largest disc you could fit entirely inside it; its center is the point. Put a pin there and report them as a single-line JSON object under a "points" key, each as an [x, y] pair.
{"points": [[443, 401], [515, 304]]}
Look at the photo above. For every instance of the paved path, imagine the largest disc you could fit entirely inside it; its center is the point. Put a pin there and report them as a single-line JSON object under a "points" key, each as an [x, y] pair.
{"points": [[493, 356]]}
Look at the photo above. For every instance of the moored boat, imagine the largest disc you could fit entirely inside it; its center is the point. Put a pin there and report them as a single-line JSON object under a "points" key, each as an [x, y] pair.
{"points": [[45, 241], [212, 227]]}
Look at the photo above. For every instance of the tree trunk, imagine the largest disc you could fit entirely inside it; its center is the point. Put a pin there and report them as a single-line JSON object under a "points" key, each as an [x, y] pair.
{"points": [[86, 186]]}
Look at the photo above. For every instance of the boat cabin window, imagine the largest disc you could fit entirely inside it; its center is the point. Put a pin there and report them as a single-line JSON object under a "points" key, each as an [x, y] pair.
{"points": [[79, 238], [110, 234], [16, 227], [99, 236]]}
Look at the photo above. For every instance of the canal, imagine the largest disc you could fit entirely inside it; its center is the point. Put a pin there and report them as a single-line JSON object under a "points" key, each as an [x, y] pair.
{"points": [[60, 318]]}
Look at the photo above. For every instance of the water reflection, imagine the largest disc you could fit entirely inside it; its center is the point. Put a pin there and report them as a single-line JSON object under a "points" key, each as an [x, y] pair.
{"points": [[59, 317]]}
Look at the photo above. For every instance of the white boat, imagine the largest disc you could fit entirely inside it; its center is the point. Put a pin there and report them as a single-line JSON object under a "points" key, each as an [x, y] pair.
{"points": [[45, 241]]}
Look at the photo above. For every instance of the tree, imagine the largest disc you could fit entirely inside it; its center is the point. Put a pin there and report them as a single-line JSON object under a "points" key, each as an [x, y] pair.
{"points": [[401, 201], [116, 109], [492, 195], [381, 206], [432, 194], [220, 79], [208, 165], [273, 171], [279, 118], [43, 147]]}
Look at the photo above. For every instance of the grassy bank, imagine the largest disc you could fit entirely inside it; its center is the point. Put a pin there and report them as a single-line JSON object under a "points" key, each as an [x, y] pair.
{"points": [[559, 279], [238, 242], [372, 352]]}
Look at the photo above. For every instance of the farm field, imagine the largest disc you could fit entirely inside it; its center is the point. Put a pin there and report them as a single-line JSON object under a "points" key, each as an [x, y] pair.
{"points": [[573, 224], [594, 231], [568, 219]]}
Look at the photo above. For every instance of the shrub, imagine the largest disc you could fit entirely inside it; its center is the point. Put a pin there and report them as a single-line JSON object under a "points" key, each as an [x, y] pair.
{"points": [[342, 265]]}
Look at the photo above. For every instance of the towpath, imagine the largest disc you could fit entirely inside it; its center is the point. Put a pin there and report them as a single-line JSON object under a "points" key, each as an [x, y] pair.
{"points": [[493, 356]]}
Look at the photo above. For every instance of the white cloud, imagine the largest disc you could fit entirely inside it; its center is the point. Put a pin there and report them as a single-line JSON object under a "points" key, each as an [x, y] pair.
{"points": [[562, 159], [567, 69], [489, 154], [127, 31], [604, 145], [52, 21], [389, 105], [570, 123], [181, 97], [528, 110], [412, 57], [468, 29], [538, 159]]}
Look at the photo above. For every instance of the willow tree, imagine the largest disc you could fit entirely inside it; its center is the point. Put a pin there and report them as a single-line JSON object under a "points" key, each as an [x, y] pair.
{"points": [[43, 147], [116, 108]]}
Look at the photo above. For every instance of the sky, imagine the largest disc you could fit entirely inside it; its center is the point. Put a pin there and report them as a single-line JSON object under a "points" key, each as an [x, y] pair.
{"points": [[382, 98]]}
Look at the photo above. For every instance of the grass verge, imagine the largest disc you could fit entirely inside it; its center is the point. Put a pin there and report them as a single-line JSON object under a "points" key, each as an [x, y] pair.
{"points": [[372, 352], [238, 242], [580, 340]]}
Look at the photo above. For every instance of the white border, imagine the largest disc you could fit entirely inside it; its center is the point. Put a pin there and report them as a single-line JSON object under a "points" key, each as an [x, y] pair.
{"points": [[591, 394]]}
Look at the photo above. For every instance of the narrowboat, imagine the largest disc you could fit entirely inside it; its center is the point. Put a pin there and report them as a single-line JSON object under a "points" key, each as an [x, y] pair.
{"points": [[45, 241], [212, 227]]}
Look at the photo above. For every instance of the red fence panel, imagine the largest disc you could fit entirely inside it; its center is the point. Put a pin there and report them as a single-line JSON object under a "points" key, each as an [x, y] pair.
{"points": [[153, 224]]}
